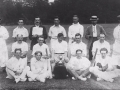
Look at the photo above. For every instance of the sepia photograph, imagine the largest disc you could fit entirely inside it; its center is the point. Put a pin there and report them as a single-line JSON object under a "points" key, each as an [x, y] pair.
{"points": [[59, 44]]}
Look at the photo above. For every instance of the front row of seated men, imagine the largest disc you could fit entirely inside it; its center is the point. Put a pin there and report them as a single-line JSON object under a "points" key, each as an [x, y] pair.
{"points": [[43, 64]]}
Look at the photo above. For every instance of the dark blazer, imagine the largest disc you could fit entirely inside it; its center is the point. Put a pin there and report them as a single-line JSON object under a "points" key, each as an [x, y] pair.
{"points": [[34, 39], [89, 33]]}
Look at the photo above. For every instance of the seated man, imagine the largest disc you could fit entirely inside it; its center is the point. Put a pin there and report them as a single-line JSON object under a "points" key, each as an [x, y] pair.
{"points": [[40, 68], [22, 45], [16, 67], [103, 68], [78, 66], [40, 46], [59, 52], [78, 44]]}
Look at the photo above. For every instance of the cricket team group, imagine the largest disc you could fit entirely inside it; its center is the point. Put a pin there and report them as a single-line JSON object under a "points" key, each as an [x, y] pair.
{"points": [[61, 59]]}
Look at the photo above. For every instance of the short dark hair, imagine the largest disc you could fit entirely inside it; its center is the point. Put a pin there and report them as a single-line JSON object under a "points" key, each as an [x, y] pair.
{"points": [[38, 52], [77, 34], [56, 17], [17, 49], [103, 49], [79, 50], [60, 35]]}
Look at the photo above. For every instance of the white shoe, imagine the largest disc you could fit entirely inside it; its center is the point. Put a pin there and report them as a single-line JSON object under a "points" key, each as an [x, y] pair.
{"points": [[89, 76], [99, 79], [23, 79], [17, 80], [82, 78], [30, 79], [73, 78], [9, 77]]}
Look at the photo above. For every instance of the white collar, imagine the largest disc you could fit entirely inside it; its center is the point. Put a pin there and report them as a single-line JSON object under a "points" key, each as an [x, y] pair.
{"points": [[76, 23]]}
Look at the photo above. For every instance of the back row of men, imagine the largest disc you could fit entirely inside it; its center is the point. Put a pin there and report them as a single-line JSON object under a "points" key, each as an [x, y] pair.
{"points": [[60, 50]]}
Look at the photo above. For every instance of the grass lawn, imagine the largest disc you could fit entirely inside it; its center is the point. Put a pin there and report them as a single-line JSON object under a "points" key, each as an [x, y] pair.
{"points": [[59, 84]]}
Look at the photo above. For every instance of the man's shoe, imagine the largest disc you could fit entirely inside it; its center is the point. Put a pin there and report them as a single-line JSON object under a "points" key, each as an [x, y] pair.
{"points": [[82, 78]]}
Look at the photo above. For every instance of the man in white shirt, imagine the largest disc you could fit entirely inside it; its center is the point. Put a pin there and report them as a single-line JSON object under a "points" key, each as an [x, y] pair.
{"points": [[40, 68], [78, 66], [55, 30], [75, 28], [78, 44], [3, 47], [16, 67], [101, 43], [40, 46], [59, 51], [116, 44], [22, 45], [20, 29], [103, 68]]}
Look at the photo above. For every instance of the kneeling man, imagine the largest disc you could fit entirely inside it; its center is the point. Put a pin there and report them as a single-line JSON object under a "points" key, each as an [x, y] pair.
{"points": [[40, 68], [16, 67], [78, 66]]}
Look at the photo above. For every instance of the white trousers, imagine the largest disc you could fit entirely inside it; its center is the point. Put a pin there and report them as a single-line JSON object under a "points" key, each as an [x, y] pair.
{"points": [[22, 76]]}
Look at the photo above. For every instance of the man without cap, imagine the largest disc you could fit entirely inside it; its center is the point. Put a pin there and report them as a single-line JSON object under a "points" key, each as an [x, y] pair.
{"points": [[59, 51], [40, 46], [3, 47], [92, 33], [101, 43], [77, 44], [75, 28], [116, 44], [20, 30], [37, 30], [16, 67], [40, 68], [103, 68], [22, 45], [55, 30], [78, 66]]}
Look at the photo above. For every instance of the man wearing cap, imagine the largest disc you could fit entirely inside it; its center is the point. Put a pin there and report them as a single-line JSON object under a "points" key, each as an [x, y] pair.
{"points": [[101, 43], [75, 28], [59, 51], [3, 47], [20, 30], [78, 66], [40, 68], [22, 45], [92, 33], [77, 44], [37, 30], [40, 46], [55, 30], [103, 68], [16, 67]]}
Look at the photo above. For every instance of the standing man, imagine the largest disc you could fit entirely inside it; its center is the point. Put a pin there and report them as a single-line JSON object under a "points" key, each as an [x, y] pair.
{"points": [[116, 34], [75, 28], [55, 30], [92, 32], [20, 29], [36, 31], [3, 47]]}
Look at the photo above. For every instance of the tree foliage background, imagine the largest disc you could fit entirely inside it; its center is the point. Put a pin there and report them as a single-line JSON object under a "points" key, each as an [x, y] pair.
{"points": [[106, 10]]}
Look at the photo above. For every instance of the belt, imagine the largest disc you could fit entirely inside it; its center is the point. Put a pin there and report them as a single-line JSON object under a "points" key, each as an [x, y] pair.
{"points": [[59, 53]]}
